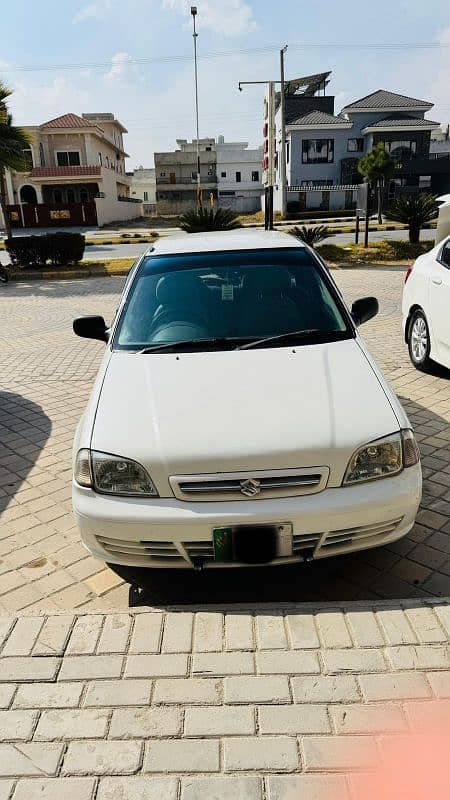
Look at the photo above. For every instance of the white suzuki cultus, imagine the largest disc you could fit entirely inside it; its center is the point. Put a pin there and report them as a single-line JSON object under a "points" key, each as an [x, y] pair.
{"points": [[237, 417]]}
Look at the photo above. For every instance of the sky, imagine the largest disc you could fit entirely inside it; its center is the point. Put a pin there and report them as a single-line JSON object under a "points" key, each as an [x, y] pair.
{"points": [[135, 58]]}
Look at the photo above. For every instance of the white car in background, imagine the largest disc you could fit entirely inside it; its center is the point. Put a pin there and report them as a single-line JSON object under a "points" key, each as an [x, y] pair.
{"points": [[237, 417], [426, 307]]}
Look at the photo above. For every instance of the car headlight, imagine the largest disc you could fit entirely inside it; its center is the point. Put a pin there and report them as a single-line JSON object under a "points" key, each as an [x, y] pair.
{"points": [[111, 474], [382, 458]]}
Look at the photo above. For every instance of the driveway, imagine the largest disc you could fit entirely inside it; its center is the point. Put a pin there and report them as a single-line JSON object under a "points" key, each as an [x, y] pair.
{"points": [[47, 374]]}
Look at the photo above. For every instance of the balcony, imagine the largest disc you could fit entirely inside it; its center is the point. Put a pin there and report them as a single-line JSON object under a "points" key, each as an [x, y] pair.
{"points": [[44, 173], [192, 182]]}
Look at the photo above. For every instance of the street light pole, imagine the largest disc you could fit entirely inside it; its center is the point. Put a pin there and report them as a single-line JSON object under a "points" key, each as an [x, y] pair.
{"points": [[195, 34], [283, 138]]}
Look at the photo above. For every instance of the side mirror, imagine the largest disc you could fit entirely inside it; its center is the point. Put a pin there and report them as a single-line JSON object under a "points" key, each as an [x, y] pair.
{"points": [[364, 309], [91, 328]]}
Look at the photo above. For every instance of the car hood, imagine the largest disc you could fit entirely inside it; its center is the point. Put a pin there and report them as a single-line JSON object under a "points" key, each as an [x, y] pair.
{"points": [[231, 411]]}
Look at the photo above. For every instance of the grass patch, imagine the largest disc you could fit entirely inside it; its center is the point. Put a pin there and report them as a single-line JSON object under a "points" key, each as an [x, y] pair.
{"points": [[387, 251]]}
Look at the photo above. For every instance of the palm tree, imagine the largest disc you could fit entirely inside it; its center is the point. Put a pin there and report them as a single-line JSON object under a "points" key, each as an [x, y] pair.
{"points": [[13, 141], [414, 210], [203, 220], [310, 235], [377, 167]]}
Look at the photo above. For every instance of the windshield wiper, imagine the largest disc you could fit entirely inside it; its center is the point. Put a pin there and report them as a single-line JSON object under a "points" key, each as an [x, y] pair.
{"points": [[292, 335], [183, 343]]}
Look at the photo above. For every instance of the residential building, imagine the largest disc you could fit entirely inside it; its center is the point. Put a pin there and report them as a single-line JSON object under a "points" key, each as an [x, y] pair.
{"points": [[323, 149], [440, 141], [176, 176], [76, 174], [143, 187], [239, 176], [230, 176]]}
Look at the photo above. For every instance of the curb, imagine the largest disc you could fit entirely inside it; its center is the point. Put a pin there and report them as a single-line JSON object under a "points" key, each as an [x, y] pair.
{"points": [[69, 274]]}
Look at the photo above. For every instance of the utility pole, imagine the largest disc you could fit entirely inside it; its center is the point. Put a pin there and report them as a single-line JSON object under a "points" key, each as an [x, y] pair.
{"points": [[195, 34], [283, 181]]}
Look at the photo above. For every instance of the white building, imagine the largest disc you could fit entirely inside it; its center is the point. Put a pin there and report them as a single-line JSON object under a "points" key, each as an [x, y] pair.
{"points": [[239, 176], [143, 187], [440, 141]]}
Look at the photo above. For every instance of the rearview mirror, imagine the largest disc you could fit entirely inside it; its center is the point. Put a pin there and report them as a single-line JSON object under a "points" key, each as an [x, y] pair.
{"points": [[364, 309], [91, 328]]}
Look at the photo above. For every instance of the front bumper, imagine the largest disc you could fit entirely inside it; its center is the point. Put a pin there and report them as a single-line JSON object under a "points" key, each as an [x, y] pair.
{"points": [[166, 532]]}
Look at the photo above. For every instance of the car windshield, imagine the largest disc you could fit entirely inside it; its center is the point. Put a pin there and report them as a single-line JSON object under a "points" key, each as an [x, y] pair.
{"points": [[220, 299]]}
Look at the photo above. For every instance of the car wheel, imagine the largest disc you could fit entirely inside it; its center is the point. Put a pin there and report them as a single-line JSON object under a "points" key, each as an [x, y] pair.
{"points": [[140, 577], [419, 341]]}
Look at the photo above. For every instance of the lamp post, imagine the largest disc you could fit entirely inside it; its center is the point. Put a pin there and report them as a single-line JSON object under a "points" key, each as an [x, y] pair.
{"points": [[195, 34]]}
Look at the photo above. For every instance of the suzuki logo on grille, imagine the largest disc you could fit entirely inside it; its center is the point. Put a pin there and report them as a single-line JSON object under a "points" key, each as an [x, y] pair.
{"points": [[251, 487]]}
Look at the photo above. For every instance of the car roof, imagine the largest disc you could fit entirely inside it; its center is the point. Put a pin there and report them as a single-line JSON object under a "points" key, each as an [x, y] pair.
{"points": [[239, 239]]}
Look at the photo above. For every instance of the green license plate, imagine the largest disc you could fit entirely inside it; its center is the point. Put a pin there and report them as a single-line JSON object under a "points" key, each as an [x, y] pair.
{"points": [[223, 544]]}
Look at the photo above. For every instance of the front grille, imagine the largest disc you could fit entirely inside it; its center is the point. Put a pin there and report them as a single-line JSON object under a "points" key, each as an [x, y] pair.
{"points": [[304, 541], [230, 486], [348, 536], [203, 550], [143, 551]]}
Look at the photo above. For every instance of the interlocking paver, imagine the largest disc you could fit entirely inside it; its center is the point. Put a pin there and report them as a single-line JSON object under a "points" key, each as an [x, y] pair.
{"points": [[118, 693], [302, 631], [349, 660], [325, 689], [48, 695], [28, 669], [339, 752], [16, 725], [55, 788], [264, 753], [291, 662], [30, 758], [195, 691], [145, 723], [223, 722], [114, 636], [400, 686], [137, 789], [155, 666], [71, 724], [261, 689], [228, 788], [182, 755], [90, 667], [377, 718], [223, 663], [293, 719], [309, 787], [53, 635], [23, 637], [102, 758]]}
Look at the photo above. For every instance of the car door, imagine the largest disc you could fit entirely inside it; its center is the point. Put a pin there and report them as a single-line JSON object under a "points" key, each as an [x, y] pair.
{"points": [[439, 288]]}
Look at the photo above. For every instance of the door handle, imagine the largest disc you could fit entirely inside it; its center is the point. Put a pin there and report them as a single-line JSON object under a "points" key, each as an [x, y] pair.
{"points": [[437, 281]]}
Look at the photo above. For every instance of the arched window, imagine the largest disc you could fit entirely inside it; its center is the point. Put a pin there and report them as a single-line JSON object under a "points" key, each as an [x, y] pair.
{"points": [[28, 195], [41, 154], [28, 157]]}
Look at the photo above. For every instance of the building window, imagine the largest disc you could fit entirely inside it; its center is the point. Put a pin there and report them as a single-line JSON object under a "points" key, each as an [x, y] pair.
{"points": [[255, 176], [100, 159], [84, 197], [238, 177], [41, 154], [223, 174], [424, 181], [145, 197], [68, 158], [317, 151], [57, 196], [70, 196], [28, 158], [401, 148], [395, 187], [355, 145], [162, 174], [287, 152]]}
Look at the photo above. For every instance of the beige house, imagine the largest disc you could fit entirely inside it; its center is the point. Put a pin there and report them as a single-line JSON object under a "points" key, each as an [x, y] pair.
{"points": [[76, 174]]}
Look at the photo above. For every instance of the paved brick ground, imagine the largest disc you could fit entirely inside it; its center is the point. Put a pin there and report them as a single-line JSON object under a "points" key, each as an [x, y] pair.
{"points": [[46, 376], [278, 703]]}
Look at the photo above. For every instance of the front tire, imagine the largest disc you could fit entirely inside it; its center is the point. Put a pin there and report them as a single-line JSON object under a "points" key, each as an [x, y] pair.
{"points": [[419, 341], [3, 275]]}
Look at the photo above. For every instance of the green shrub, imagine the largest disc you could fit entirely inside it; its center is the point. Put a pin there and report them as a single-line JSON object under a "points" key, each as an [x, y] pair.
{"points": [[65, 248], [310, 235], [209, 220], [59, 248]]}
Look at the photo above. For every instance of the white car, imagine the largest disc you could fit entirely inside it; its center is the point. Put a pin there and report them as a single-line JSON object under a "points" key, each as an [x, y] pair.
{"points": [[425, 306], [237, 417]]}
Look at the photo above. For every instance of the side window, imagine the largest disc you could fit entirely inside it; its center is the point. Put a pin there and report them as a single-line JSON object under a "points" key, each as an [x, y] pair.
{"points": [[445, 255]]}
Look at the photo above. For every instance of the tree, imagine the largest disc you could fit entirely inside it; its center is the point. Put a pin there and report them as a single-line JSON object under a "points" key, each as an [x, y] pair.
{"points": [[13, 141], [377, 167], [203, 220], [310, 235], [414, 210]]}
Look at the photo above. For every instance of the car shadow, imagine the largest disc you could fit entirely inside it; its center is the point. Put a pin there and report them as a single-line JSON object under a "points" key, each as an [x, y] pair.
{"points": [[24, 430], [416, 566]]}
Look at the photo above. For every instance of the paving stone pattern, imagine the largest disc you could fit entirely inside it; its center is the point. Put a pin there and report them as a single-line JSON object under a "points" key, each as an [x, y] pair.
{"points": [[46, 377], [135, 721]]}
